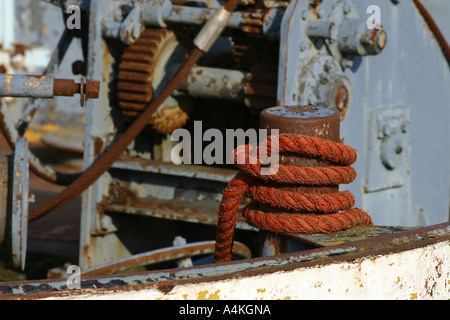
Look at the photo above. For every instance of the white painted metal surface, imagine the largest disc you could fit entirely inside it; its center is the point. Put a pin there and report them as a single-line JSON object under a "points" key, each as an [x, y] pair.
{"points": [[34, 59], [421, 273], [7, 22]]}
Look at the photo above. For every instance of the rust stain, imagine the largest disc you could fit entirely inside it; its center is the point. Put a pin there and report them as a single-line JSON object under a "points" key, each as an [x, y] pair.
{"points": [[98, 146], [330, 29]]}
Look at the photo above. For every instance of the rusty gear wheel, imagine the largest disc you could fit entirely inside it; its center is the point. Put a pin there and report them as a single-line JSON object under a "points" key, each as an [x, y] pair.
{"points": [[144, 69]]}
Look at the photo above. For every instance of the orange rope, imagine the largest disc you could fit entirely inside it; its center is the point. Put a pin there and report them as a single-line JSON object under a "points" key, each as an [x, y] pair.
{"points": [[319, 213]]}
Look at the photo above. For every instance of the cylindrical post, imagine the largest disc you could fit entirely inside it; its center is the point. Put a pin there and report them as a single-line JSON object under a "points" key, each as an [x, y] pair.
{"points": [[303, 120]]}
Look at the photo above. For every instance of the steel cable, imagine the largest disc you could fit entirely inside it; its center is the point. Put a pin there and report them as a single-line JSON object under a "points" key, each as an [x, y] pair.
{"points": [[105, 161], [434, 29]]}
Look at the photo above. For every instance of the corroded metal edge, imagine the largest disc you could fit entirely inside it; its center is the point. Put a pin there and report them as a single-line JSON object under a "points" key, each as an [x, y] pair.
{"points": [[165, 280]]}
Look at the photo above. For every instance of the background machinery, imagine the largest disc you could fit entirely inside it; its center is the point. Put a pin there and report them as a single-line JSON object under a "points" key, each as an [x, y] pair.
{"points": [[390, 84]]}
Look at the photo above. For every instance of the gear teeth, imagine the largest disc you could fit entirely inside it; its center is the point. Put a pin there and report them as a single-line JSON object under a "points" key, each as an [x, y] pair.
{"points": [[134, 66], [134, 77], [133, 87], [138, 57], [135, 80]]}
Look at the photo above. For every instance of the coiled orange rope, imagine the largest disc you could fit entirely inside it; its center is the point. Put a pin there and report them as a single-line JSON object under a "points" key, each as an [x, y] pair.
{"points": [[319, 212]]}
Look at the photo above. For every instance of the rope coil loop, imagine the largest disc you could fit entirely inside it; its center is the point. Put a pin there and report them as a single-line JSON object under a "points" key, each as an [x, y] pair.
{"points": [[287, 211]]}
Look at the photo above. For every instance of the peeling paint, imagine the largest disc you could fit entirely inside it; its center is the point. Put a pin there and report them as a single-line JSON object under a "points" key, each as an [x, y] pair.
{"points": [[202, 295], [374, 278]]}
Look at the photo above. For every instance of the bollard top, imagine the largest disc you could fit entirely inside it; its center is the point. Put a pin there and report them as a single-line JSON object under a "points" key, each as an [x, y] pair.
{"points": [[303, 112], [305, 120]]}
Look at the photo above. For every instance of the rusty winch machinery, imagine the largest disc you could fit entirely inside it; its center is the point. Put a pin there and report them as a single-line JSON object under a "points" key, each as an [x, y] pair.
{"points": [[237, 60]]}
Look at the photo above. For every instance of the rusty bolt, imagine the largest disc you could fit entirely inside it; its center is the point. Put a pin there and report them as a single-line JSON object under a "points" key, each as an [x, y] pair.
{"points": [[374, 40], [356, 38], [92, 89], [67, 87], [87, 89]]}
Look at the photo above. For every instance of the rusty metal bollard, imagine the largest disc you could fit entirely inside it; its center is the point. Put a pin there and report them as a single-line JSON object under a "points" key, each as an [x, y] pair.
{"points": [[303, 120], [302, 195]]}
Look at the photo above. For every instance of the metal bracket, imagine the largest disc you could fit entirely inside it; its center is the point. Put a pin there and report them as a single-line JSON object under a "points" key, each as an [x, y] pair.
{"points": [[388, 145]]}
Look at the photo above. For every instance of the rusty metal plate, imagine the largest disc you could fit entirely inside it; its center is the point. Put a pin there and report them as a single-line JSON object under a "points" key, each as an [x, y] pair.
{"points": [[354, 234]]}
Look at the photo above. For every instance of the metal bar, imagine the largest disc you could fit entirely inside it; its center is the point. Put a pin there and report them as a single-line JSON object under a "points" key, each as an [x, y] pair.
{"points": [[181, 170], [26, 86], [215, 83], [234, 85], [164, 254], [198, 16], [19, 208], [45, 87], [322, 29]]}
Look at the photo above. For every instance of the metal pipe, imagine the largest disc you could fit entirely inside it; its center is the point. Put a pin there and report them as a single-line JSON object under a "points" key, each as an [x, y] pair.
{"points": [[25, 86], [355, 38], [159, 14], [322, 29], [198, 16], [234, 85], [215, 83]]}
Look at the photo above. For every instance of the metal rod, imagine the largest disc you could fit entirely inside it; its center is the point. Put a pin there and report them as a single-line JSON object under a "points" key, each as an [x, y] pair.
{"points": [[235, 85], [164, 254], [25, 86], [198, 16]]}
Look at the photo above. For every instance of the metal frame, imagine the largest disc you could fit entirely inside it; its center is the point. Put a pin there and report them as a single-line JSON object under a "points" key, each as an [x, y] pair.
{"points": [[392, 123], [304, 54]]}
